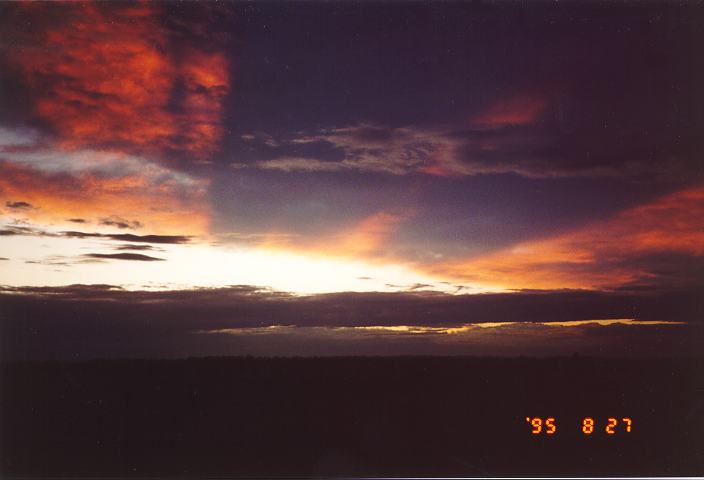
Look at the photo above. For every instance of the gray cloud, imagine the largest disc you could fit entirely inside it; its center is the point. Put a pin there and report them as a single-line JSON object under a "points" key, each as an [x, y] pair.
{"points": [[11, 230], [18, 205], [102, 320], [128, 246], [532, 150], [123, 256], [121, 223], [128, 237]]}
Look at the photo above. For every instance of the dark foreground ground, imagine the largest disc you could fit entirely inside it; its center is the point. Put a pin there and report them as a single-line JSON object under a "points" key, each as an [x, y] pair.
{"points": [[350, 416]]}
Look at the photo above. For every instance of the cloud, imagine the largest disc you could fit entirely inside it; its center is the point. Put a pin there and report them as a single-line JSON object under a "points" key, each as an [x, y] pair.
{"points": [[125, 100], [297, 164], [107, 76], [495, 147], [119, 222], [261, 137], [128, 237], [18, 205], [123, 256], [12, 230], [519, 110], [163, 203], [365, 147], [39, 321], [526, 134], [134, 247], [4, 258], [365, 237], [77, 220], [661, 243], [18, 139]]}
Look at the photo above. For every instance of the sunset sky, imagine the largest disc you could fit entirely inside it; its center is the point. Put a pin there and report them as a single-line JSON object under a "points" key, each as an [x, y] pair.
{"points": [[283, 178]]}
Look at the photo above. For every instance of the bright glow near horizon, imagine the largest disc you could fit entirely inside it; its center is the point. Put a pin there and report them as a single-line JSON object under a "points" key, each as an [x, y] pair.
{"points": [[34, 262]]}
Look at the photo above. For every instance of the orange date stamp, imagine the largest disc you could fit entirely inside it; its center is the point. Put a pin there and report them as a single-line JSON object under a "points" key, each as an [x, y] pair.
{"points": [[612, 426]]}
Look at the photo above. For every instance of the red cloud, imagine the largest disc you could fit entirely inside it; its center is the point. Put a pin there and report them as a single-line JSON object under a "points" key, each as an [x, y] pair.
{"points": [[110, 77], [520, 110]]}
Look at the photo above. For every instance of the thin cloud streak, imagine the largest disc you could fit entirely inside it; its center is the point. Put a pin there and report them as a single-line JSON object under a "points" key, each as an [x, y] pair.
{"points": [[123, 256]]}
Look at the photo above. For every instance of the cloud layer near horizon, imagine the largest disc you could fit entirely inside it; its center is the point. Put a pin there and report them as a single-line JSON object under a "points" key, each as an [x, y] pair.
{"points": [[86, 321]]}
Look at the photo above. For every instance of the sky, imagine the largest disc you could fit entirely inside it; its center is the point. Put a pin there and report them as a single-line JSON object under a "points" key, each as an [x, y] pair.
{"points": [[386, 177]]}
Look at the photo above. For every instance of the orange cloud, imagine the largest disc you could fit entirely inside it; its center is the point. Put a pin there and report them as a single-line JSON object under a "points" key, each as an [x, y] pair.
{"points": [[164, 208], [442, 163], [205, 76], [364, 239], [600, 255], [520, 110], [108, 76], [368, 236]]}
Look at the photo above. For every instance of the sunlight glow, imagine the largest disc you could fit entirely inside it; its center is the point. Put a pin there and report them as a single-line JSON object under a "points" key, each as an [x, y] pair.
{"points": [[427, 330], [52, 260]]}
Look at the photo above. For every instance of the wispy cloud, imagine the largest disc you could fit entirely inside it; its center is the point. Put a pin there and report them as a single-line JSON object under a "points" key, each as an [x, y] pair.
{"points": [[162, 202], [121, 223], [496, 144], [129, 246], [626, 249], [518, 133], [517, 110], [19, 230]]}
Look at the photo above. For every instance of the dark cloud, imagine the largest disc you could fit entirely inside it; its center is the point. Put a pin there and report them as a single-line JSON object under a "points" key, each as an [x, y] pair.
{"points": [[78, 220], [165, 239], [531, 149], [128, 246], [123, 256], [121, 223], [39, 320], [128, 237], [121, 237], [4, 258], [11, 230], [18, 205]]}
